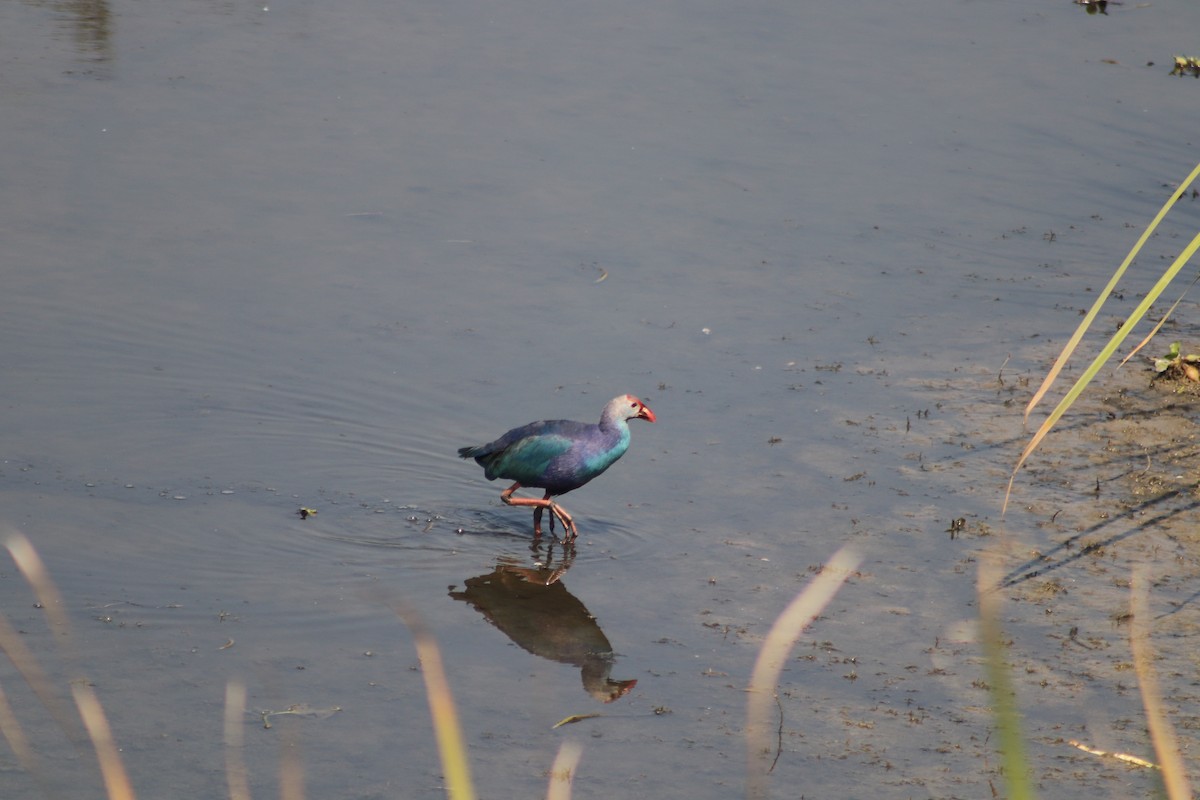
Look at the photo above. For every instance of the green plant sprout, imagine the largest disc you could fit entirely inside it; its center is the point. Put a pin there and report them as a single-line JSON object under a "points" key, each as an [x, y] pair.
{"points": [[1175, 365]]}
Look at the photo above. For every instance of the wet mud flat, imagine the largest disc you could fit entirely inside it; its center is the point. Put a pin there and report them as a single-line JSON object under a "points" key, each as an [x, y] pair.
{"points": [[1113, 489]]}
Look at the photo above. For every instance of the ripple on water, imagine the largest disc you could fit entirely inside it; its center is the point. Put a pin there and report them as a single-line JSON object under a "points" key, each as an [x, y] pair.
{"points": [[423, 538], [164, 393]]}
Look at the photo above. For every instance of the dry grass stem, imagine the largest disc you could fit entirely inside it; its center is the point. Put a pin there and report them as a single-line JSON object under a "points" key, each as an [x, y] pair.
{"points": [[116, 781], [1158, 326], [1162, 734], [291, 770], [291, 761], [455, 767], [779, 641], [1126, 757], [14, 734], [235, 764], [37, 680], [31, 566], [562, 773]]}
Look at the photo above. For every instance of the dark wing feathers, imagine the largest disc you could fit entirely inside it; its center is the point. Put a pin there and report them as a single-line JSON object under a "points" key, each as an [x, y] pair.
{"points": [[526, 454]]}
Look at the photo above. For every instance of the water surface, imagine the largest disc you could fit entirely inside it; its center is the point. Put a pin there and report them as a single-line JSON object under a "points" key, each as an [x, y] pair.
{"points": [[263, 257]]}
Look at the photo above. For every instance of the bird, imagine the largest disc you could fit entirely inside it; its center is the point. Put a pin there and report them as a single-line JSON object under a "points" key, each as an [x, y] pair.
{"points": [[558, 455]]}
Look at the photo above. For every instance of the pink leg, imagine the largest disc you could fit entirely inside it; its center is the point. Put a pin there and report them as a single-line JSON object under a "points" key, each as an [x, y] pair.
{"points": [[556, 510]]}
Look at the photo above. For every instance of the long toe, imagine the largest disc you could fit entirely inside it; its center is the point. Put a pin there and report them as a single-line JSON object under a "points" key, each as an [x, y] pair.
{"points": [[568, 522]]}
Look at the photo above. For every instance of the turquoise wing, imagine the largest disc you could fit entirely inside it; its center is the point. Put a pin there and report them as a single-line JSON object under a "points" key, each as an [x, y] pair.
{"points": [[527, 460]]}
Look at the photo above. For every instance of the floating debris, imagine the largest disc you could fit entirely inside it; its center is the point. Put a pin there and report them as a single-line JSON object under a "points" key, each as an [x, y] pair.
{"points": [[297, 710], [1186, 65], [574, 718], [1095, 6], [1128, 759], [305, 513]]}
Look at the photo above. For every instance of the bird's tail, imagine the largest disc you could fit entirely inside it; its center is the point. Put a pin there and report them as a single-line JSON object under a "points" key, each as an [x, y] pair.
{"points": [[469, 452]]}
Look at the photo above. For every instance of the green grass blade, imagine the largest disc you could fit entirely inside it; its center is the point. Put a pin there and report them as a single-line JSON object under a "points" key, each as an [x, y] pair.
{"points": [[1100, 360], [1003, 696], [1073, 342], [1161, 322]]}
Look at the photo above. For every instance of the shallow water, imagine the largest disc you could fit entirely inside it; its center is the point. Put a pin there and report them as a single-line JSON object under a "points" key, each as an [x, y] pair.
{"points": [[263, 258]]}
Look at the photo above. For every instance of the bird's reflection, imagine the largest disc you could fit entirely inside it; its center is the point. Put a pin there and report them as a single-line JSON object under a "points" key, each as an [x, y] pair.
{"points": [[90, 23], [532, 607]]}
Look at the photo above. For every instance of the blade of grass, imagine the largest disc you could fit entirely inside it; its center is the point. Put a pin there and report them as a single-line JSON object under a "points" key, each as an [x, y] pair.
{"points": [[1161, 322], [14, 734], [1166, 747], [455, 767], [116, 780], [1073, 342], [1100, 360], [291, 763], [37, 680], [1004, 704], [235, 764], [562, 772], [779, 641], [31, 567]]}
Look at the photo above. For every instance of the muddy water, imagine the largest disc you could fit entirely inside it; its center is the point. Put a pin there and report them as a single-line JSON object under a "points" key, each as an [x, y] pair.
{"points": [[260, 258]]}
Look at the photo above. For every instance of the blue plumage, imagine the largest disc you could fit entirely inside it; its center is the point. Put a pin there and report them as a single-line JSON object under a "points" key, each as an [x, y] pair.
{"points": [[558, 456]]}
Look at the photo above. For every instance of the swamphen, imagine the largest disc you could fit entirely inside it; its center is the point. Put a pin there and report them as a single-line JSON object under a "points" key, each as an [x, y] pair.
{"points": [[558, 455]]}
